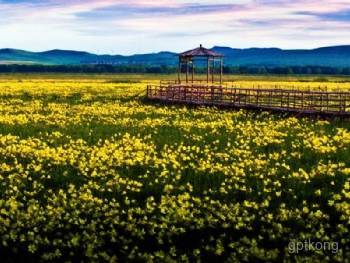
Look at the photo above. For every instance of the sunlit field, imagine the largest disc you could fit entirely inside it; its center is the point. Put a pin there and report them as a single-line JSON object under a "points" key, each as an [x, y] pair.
{"points": [[90, 171]]}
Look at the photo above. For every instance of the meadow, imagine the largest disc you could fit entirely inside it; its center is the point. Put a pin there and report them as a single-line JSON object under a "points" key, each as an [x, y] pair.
{"points": [[90, 171]]}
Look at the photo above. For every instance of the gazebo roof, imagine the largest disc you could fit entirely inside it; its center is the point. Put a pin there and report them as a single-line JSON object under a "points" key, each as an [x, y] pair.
{"points": [[200, 52]]}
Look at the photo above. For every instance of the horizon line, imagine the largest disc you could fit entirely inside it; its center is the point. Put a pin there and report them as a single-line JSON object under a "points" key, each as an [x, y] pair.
{"points": [[163, 51]]}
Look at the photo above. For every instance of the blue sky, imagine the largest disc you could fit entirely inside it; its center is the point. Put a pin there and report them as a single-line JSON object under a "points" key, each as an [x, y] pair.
{"points": [[142, 26]]}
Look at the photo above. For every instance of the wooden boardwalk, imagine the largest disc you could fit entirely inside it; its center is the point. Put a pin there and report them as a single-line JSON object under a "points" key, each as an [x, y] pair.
{"points": [[334, 103]]}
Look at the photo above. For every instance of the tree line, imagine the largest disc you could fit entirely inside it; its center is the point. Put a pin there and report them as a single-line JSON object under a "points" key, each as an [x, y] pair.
{"points": [[144, 69]]}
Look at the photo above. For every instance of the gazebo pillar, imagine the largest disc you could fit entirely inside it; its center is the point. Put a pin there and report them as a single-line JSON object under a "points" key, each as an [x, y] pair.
{"points": [[187, 71], [192, 72], [208, 70], [179, 71], [212, 70], [221, 70]]}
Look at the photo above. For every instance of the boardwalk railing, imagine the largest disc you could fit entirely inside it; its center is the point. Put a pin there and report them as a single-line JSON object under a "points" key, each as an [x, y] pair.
{"points": [[324, 102]]}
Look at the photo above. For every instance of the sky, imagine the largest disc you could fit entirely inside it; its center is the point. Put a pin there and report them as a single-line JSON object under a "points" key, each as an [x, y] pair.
{"points": [[144, 26]]}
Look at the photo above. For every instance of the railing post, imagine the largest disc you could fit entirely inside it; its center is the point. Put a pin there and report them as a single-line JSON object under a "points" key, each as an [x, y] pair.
{"points": [[281, 93], [302, 100], [197, 89], [343, 104], [238, 96], [248, 96], [234, 96]]}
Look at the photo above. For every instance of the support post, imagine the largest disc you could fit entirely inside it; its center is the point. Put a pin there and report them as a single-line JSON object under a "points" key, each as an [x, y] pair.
{"points": [[192, 71], [186, 71], [179, 71], [212, 71], [302, 100], [221, 70], [208, 70]]}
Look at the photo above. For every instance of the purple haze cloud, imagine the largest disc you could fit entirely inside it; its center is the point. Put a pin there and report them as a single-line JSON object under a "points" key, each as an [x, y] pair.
{"points": [[116, 26]]}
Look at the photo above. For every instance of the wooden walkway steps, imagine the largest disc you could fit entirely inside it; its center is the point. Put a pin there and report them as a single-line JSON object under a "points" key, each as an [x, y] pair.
{"points": [[334, 103]]}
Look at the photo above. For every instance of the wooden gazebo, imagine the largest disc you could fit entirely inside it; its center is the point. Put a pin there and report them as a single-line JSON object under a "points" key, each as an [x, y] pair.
{"points": [[188, 59]]}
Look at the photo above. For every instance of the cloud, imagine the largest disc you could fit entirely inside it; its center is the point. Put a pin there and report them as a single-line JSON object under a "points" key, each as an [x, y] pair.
{"points": [[342, 16], [152, 25], [129, 10]]}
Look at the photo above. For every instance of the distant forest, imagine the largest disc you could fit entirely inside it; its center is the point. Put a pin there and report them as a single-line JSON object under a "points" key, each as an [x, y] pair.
{"points": [[144, 69]]}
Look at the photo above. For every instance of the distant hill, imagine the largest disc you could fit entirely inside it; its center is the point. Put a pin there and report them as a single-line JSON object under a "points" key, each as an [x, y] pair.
{"points": [[336, 56]]}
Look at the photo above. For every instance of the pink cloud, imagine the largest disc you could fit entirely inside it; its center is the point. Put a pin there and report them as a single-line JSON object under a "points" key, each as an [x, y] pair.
{"points": [[245, 23]]}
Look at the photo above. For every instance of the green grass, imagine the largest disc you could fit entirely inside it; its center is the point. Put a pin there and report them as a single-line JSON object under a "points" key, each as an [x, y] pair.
{"points": [[129, 78]]}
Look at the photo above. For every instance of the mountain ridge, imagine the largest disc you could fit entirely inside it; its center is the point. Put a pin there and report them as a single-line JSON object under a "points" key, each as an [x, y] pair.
{"points": [[333, 56]]}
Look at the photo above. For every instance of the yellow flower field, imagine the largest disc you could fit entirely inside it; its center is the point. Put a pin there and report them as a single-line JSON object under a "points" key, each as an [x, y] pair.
{"points": [[90, 171]]}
